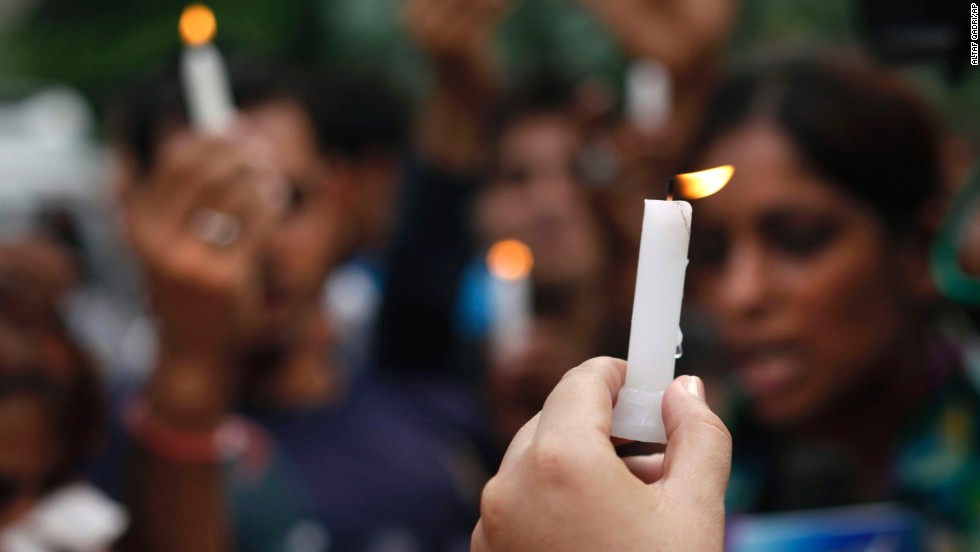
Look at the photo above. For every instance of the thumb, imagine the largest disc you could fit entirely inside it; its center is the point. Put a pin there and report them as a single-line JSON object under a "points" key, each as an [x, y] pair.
{"points": [[698, 458]]}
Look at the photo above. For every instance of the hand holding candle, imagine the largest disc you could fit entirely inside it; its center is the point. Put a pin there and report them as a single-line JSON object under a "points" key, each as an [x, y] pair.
{"points": [[657, 305], [562, 486]]}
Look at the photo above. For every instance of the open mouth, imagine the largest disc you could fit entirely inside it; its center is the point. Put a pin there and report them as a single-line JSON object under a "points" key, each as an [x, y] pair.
{"points": [[769, 370]]}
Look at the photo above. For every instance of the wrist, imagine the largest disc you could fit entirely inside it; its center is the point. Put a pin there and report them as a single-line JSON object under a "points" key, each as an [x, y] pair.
{"points": [[190, 391], [226, 442]]}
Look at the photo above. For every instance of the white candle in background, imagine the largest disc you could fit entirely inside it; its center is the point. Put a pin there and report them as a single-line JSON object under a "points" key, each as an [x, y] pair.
{"points": [[206, 90], [654, 335], [510, 263], [649, 94]]}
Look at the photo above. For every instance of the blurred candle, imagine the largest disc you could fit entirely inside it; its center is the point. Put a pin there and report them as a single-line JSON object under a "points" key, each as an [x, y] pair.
{"points": [[510, 263], [654, 335], [205, 78], [648, 94]]}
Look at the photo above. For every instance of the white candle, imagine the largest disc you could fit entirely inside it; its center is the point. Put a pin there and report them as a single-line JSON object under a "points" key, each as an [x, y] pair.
{"points": [[510, 263], [648, 94], [655, 333], [656, 316], [209, 100]]}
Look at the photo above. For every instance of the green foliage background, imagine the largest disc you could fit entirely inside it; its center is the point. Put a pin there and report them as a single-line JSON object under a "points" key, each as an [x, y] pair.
{"points": [[96, 45]]}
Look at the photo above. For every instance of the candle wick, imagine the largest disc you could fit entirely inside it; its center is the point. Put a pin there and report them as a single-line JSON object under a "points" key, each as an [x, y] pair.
{"points": [[671, 182]]}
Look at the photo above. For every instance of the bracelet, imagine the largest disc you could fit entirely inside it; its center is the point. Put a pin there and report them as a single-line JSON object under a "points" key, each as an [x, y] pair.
{"points": [[228, 442]]}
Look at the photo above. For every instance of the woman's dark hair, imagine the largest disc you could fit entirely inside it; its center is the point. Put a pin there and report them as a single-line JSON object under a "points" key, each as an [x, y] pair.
{"points": [[852, 123]]}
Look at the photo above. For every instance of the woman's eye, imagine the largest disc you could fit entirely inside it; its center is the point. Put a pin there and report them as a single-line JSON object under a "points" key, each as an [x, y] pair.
{"points": [[297, 197], [514, 175], [708, 248], [800, 238]]}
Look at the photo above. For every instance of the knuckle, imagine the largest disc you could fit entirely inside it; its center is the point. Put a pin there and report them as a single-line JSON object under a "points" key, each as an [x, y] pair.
{"points": [[477, 539], [602, 369], [550, 462], [577, 374], [715, 424], [176, 151], [190, 271], [184, 266], [494, 502]]}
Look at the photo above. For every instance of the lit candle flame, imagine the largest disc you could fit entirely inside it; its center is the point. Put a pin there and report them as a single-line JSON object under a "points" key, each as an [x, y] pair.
{"points": [[510, 260], [700, 184], [197, 25]]}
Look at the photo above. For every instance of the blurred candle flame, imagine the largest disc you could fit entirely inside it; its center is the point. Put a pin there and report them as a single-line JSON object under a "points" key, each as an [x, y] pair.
{"points": [[197, 25], [510, 260], [700, 184]]}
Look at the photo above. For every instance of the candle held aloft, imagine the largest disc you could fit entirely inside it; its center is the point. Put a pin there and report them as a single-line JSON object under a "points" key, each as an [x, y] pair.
{"points": [[510, 263], [205, 78], [649, 91], [655, 335], [656, 316]]}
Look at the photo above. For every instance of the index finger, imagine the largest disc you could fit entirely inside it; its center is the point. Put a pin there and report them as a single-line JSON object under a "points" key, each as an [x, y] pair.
{"points": [[581, 403]]}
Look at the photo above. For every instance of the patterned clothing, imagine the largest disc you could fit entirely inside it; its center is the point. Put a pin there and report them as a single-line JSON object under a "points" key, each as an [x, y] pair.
{"points": [[933, 472]]}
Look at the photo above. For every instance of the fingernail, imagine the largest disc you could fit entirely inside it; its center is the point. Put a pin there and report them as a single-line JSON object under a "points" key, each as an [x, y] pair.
{"points": [[695, 386]]}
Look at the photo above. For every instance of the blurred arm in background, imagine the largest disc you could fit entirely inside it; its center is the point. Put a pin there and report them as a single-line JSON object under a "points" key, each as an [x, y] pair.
{"points": [[432, 245], [684, 35], [205, 296], [457, 36], [688, 39]]}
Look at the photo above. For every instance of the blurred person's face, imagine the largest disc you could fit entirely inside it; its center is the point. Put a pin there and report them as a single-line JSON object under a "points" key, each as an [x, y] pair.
{"points": [[315, 232], [812, 297], [27, 455], [535, 197]]}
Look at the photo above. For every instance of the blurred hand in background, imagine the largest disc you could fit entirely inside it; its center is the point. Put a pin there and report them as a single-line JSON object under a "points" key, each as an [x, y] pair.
{"points": [[458, 38], [199, 224]]}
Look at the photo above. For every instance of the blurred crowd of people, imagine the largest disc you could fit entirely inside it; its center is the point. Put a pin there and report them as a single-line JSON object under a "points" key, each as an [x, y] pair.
{"points": [[308, 362]]}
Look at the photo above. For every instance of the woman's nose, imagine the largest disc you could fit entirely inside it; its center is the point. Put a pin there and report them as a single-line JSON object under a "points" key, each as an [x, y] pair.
{"points": [[746, 287], [553, 186]]}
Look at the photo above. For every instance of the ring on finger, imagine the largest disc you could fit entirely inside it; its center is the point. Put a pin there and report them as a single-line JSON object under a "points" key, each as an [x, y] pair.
{"points": [[215, 227]]}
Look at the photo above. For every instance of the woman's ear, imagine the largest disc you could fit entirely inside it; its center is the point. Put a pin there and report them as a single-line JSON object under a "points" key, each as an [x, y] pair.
{"points": [[922, 287], [969, 255]]}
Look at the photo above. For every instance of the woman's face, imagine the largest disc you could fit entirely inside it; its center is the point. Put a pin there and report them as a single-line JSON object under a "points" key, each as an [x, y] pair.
{"points": [[810, 295]]}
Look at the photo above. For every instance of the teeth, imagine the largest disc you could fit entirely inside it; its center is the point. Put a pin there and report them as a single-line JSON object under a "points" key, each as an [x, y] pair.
{"points": [[766, 371], [769, 361]]}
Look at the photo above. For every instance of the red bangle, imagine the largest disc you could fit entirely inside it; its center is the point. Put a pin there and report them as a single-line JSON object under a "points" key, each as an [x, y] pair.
{"points": [[229, 441]]}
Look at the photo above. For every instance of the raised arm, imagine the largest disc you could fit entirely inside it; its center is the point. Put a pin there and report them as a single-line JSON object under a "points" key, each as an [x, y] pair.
{"points": [[196, 225], [457, 36]]}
